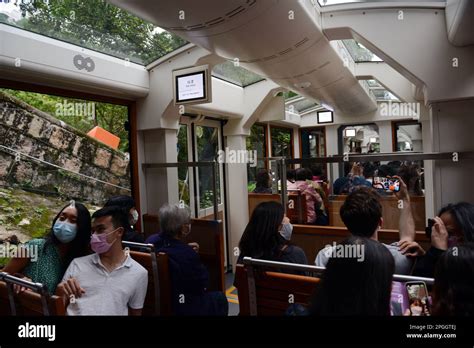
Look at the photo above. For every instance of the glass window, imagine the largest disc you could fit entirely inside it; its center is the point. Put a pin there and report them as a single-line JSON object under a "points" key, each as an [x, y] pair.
{"points": [[183, 172], [281, 139], [256, 141], [409, 137], [78, 151], [383, 94], [359, 52], [361, 139], [239, 76], [207, 141], [93, 24], [313, 143]]}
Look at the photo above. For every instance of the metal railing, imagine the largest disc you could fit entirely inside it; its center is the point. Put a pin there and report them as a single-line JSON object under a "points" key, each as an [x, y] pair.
{"points": [[212, 164], [36, 287]]}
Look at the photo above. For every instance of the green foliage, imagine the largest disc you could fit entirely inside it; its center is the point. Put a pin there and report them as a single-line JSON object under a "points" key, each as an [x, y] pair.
{"points": [[13, 211], [281, 142], [108, 116], [98, 25], [251, 186]]}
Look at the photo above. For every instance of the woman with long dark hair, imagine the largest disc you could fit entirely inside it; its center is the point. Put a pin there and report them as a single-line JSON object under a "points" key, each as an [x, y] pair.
{"points": [[357, 280], [453, 292], [453, 226], [267, 236], [45, 260]]}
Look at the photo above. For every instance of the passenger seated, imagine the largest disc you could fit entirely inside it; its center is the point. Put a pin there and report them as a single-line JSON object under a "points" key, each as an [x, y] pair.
{"points": [[189, 277], [357, 281], [453, 292], [306, 186], [50, 256], [108, 282], [127, 203], [453, 226], [362, 215], [264, 182], [290, 177], [267, 236], [351, 181]]}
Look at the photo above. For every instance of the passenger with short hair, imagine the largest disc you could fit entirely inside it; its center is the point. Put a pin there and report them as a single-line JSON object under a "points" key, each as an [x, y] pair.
{"points": [[67, 239], [356, 286], [267, 236], [189, 277], [362, 215], [453, 292], [264, 182], [128, 205], [108, 282]]}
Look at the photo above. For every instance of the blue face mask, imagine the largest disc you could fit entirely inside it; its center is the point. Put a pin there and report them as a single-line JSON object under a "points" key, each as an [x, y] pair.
{"points": [[286, 231], [64, 231]]}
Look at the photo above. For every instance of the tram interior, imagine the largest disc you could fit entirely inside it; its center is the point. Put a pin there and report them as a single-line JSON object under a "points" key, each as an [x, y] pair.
{"points": [[216, 107]]}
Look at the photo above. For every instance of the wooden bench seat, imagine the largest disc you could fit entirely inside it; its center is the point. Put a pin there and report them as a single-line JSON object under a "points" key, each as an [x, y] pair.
{"points": [[274, 291], [29, 303]]}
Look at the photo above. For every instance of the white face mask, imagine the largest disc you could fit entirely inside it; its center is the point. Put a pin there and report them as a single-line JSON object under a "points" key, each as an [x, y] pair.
{"points": [[286, 231], [134, 218]]}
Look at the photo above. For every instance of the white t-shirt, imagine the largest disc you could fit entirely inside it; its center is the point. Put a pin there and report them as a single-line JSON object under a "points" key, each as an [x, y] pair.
{"points": [[107, 293], [403, 264]]}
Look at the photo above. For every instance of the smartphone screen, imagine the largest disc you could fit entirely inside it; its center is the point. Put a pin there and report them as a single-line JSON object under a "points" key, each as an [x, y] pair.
{"points": [[418, 298], [386, 184]]}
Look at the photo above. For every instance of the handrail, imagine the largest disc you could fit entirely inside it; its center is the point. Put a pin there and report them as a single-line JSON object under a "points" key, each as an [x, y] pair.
{"points": [[248, 261], [36, 287], [212, 164], [154, 265]]}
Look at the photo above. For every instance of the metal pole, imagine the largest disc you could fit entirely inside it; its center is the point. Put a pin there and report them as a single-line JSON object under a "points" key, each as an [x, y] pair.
{"points": [[284, 194], [214, 189]]}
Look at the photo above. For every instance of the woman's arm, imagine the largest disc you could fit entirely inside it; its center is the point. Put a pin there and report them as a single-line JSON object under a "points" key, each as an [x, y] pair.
{"points": [[16, 265]]}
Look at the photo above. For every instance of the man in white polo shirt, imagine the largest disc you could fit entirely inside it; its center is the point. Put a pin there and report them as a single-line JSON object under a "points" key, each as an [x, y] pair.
{"points": [[108, 282]]}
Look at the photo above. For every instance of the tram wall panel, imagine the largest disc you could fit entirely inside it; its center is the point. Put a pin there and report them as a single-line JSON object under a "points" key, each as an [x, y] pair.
{"points": [[37, 134]]}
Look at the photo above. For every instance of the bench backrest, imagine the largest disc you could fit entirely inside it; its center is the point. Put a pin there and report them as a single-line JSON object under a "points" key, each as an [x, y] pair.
{"points": [[28, 303], [296, 209], [209, 234], [274, 291], [390, 211], [158, 296], [314, 238]]}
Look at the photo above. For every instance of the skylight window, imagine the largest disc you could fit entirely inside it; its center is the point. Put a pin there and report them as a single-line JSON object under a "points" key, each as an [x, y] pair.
{"points": [[237, 75], [92, 24]]}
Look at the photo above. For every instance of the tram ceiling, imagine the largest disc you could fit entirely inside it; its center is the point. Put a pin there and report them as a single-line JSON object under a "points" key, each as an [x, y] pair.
{"points": [[279, 40]]}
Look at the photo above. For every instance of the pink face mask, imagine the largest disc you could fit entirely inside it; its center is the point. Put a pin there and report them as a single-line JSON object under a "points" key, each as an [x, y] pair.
{"points": [[99, 242], [452, 241]]}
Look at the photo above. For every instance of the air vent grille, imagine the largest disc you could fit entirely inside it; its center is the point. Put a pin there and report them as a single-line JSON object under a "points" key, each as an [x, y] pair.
{"points": [[216, 21], [281, 53]]}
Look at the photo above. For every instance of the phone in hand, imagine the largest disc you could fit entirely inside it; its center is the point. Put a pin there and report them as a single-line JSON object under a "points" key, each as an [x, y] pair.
{"points": [[428, 229], [418, 299], [386, 184]]}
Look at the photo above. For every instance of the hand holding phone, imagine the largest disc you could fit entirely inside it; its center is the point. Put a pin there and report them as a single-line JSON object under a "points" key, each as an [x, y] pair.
{"points": [[418, 298], [386, 184]]}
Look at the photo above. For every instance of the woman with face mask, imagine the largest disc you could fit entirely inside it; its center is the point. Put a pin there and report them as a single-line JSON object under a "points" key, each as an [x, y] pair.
{"points": [[267, 236], [48, 258], [453, 226]]}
